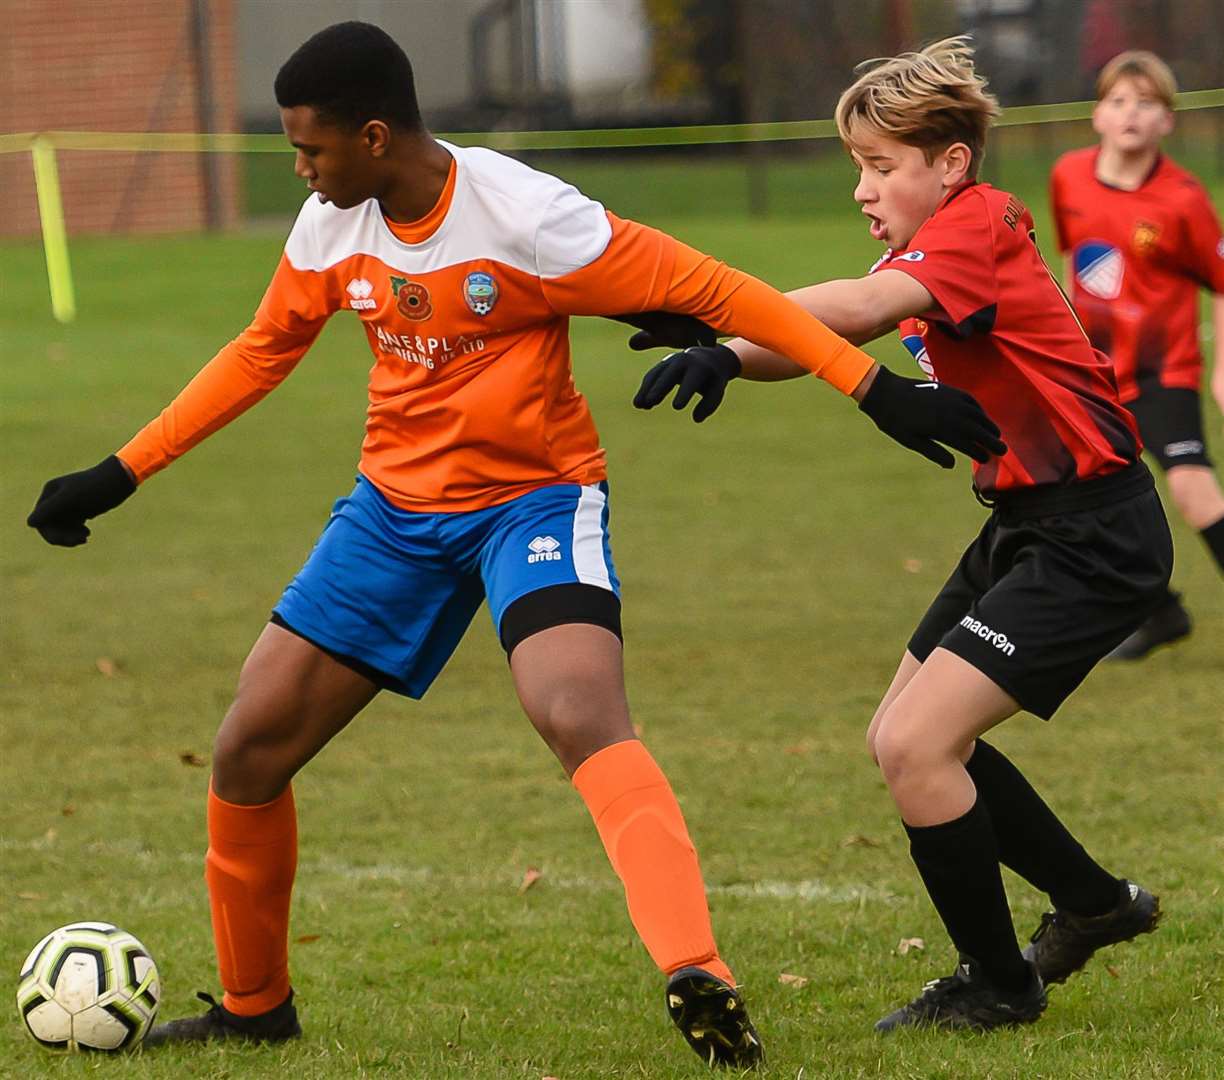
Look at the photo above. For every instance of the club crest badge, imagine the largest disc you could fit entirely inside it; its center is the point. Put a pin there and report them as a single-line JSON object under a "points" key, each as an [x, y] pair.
{"points": [[1145, 237], [912, 332], [480, 291], [411, 299]]}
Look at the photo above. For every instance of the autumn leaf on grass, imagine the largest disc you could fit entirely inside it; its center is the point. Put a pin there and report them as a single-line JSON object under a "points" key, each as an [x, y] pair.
{"points": [[912, 566], [190, 757], [107, 666], [797, 981], [68, 810], [530, 877], [907, 944], [306, 939], [858, 840]]}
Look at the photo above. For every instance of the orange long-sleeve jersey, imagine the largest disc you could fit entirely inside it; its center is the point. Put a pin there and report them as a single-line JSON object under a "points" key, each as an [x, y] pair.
{"points": [[471, 396]]}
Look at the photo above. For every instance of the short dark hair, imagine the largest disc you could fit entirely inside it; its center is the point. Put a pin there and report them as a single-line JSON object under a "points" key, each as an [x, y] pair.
{"points": [[351, 73]]}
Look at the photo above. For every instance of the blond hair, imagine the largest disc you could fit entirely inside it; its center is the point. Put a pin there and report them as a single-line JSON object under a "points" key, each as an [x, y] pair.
{"points": [[928, 99], [1138, 64]]}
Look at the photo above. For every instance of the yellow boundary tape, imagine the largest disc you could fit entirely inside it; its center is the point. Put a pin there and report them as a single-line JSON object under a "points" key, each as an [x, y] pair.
{"points": [[43, 145], [588, 139]]}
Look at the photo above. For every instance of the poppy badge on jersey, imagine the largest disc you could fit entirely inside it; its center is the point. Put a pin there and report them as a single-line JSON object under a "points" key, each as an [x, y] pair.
{"points": [[1098, 269], [480, 292], [411, 299]]}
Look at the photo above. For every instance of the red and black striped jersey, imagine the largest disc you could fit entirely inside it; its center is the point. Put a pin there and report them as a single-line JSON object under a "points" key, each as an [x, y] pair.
{"points": [[1002, 330], [1138, 260]]}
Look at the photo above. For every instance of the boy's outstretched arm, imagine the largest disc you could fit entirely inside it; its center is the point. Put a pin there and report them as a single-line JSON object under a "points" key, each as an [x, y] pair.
{"points": [[916, 413], [858, 309], [287, 322]]}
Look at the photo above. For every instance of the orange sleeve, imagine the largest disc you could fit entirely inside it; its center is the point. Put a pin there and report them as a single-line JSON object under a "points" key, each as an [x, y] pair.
{"points": [[643, 269], [288, 320]]}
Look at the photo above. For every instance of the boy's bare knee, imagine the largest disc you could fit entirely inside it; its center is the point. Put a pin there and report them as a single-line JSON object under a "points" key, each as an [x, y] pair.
{"points": [[1196, 494], [255, 755], [894, 754], [871, 744]]}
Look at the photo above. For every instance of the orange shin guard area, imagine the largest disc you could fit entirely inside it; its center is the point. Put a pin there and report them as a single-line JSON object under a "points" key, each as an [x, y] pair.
{"points": [[249, 869], [647, 842]]}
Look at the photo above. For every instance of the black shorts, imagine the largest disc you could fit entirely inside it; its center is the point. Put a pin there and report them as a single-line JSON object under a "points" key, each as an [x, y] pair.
{"points": [[1055, 579], [1170, 420]]}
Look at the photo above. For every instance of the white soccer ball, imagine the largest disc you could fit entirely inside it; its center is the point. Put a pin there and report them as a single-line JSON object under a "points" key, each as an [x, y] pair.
{"points": [[88, 986]]}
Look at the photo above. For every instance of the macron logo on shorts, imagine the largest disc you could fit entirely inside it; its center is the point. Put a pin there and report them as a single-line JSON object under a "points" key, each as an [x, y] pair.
{"points": [[999, 641], [544, 549]]}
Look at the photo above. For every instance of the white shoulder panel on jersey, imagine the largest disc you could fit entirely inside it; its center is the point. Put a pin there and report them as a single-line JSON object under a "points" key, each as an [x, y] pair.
{"points": [[501, 210]]}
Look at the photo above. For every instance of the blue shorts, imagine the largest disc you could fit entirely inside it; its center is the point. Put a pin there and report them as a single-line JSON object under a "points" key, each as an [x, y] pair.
{"points": [[395, 590]]}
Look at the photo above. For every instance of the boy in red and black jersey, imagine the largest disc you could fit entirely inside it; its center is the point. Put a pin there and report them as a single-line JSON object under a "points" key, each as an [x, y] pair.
{"points": [[1141, 239], [992, 333], [1075, 554]]}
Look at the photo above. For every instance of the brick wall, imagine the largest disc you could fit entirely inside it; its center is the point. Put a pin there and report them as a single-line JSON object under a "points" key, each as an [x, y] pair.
{"points": [[114, 65]]}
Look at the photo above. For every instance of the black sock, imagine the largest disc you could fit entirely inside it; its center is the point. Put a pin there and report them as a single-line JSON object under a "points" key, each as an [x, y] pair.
{"points": [[959, 864], [1213, 537], [1034, 843]]}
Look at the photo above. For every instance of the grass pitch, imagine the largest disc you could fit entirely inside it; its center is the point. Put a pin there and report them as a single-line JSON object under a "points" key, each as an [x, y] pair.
{"points": [[774, 561]]}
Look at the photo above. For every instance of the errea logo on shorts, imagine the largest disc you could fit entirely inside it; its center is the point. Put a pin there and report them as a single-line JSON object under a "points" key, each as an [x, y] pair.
{"points": [[360, 292], [544, 549], [999, 641]]}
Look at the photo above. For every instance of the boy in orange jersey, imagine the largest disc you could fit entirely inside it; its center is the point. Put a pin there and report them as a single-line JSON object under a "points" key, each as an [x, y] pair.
{"points": [[1141, 238], [1075, 553], [481, 475]]}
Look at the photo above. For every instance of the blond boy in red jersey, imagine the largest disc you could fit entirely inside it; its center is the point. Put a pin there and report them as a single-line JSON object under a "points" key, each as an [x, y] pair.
{"points": [[1074, 554], [1141, 239]]}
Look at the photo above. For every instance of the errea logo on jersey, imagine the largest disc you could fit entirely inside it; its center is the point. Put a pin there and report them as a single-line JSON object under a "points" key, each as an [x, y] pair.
{"points": [[360, 293], [544, 549], [999, 641]]}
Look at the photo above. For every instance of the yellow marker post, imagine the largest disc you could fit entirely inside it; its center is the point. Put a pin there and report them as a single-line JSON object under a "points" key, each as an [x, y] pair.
{"points": [[54, 231]]}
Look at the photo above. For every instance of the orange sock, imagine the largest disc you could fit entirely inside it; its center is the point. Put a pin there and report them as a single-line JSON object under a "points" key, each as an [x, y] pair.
{"points": [[251, 861], [644, 834]]}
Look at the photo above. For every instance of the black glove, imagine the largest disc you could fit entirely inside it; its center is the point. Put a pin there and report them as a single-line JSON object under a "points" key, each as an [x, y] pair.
{"points": [[703, 370], [67, 501], [917, 414], [666, 330]]}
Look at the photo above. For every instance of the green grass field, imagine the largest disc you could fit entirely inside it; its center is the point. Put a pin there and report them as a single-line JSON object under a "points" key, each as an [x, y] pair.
{"points": [[774, 561]]}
